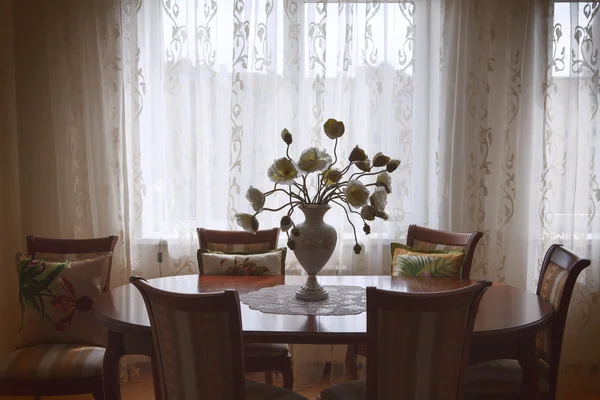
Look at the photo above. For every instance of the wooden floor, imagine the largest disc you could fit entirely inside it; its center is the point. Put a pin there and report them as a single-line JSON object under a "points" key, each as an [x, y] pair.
{"points": [[144, 391]]}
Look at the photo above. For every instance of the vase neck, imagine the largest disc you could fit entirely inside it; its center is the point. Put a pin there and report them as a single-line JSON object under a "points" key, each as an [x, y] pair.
{"points": [[314, 215]]}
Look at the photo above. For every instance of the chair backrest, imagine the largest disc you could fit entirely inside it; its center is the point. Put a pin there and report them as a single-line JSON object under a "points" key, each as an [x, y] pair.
{"points": [[197, 341], [238, 241], [558, 275], [418, 344], [67, 249], [422, 238]]}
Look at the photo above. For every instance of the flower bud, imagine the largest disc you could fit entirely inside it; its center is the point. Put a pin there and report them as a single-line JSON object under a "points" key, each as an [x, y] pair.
{"points": [[286, 136], [357, 248], [295, 231], [285, 223], [366, 229], [380, 160], [392, 165], [291, 244]]}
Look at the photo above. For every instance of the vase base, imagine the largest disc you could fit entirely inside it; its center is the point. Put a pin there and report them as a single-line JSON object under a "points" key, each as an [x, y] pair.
{"points": [[312, 290]]}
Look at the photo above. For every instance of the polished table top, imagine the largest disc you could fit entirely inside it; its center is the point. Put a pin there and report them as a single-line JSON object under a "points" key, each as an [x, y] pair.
{"points": [[503, 309]]}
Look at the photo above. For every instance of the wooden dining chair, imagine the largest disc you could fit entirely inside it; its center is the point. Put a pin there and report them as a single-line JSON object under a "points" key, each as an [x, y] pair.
{"points": [[421, 238], [198, 345], [75, 368], [501, 379], [260, 357], [418, 345]]}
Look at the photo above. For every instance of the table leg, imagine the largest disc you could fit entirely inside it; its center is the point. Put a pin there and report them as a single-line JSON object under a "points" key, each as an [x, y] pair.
{"points": [[110, 366], [529, 368]]}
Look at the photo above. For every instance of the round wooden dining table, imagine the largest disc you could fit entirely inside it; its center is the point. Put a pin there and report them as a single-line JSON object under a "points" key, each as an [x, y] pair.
{"points": [[506, 325]]}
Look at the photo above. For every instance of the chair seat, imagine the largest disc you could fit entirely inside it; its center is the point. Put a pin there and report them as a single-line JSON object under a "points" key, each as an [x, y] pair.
{"points": [[501, 379], [53, 361], [263, 391], [257, 350], [351, 390]]}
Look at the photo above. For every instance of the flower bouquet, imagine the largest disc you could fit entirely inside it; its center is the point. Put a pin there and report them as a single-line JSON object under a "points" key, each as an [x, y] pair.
{"points": [[314, 241]]}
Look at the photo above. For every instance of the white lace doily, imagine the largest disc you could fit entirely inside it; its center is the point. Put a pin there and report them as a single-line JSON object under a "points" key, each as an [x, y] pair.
{"points": [[343, 300]]}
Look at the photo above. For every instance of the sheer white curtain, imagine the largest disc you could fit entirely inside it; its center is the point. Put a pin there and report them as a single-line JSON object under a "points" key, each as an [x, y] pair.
{"points": [[152, 118], [568, 204], [215, 83]]}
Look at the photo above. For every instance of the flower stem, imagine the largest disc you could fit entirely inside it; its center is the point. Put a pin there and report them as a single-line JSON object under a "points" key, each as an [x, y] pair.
{"points": [[348, 218]]}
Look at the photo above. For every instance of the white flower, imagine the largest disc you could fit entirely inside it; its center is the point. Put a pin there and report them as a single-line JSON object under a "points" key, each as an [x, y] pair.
{"points": [[357, 193], [378, 199], [332, 176], [283, 171], [313, 159], [368, 212], [248, 222], [333, 129], [384, 180], [256, 198]]}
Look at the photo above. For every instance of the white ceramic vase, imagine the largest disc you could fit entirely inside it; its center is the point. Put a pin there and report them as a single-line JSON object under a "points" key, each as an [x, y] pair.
{"points": [[314, 247]]}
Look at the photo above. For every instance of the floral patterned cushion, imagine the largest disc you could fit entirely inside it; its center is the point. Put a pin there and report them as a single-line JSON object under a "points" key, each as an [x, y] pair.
{"points": [[257, 264], [408, 261], [56, 300]]}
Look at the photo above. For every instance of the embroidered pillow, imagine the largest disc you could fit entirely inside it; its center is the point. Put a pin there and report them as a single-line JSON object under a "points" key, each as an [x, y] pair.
{"points": [[56, 300], [411, 262], [256, 264]]}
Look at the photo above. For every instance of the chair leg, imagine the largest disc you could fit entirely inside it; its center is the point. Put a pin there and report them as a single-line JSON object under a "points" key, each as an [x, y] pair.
{"points": [[350, 362], [269, 377], [288, 376], [98, 394]]}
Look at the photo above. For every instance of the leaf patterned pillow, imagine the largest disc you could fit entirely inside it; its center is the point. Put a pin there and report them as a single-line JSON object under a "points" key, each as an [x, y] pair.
{"points": [[56, 300], [412, 262], [255, 264]]}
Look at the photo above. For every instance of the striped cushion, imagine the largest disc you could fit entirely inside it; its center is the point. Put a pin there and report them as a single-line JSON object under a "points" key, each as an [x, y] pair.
{"points": [[501, 378], [53, 361], [351, 390], [239, 247], [552, 287], [423, 245], [262, 391], [253, 350]]}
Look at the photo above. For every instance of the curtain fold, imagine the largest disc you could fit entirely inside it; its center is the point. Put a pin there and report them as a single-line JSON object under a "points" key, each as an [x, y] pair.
{"points": [[153, 118], [10, 211]]}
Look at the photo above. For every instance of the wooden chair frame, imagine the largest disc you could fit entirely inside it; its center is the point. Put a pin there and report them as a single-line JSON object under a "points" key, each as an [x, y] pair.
{"points": [[468, 240], [227, 301], [206, 236], [61, 387], [574, 265], [382, 299], [265, 364]]}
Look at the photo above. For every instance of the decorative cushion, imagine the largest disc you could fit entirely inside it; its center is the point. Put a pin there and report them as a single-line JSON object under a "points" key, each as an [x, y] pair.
{"points": [[53, 361], [262, 391], [258, 350], [552, 287], [408, 261], [56, 300], [351, 390], [500, 377], [423, 245], [258, 264]]}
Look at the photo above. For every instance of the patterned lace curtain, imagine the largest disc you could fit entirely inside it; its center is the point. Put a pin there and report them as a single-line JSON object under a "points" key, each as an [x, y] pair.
{"points": [[568, 206], [212, 84]]}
